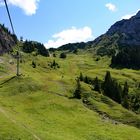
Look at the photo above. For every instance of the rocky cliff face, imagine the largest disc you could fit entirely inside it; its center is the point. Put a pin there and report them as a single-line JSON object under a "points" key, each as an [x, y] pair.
{"points": [[7, 40], [129, 30], [123, 33]]}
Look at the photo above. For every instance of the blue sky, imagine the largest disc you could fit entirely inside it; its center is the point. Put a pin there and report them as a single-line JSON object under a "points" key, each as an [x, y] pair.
{"points": [[57, 22]]}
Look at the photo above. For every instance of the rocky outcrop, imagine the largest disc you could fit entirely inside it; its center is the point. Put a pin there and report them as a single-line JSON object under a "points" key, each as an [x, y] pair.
{"points": [[129, 30], [7, 40], [124, 33]]}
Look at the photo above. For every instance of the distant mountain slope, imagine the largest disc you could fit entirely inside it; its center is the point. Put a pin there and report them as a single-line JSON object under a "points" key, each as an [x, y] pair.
{"points": [[128, 29], [72, 46], [122, 33], [7, 40]]}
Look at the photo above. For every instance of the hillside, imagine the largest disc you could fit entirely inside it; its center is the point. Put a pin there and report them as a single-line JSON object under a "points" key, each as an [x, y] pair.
{"points": [[121, 42], [129, 30], [72, 93], [72, 46], [38, 104], [123, 33], [7, 40]]}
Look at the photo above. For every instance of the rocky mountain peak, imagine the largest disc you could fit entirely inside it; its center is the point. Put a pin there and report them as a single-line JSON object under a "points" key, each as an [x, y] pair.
{"points": [[138, 14], [129, 30]]}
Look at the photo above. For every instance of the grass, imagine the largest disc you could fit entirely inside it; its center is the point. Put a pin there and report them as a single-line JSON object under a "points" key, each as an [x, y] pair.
{"points": [[37, 105]]}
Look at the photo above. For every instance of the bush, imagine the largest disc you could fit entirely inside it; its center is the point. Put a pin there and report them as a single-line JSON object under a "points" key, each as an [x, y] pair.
{"points": [[54, 65], [63, 55], [33, 64], [54, 55]]}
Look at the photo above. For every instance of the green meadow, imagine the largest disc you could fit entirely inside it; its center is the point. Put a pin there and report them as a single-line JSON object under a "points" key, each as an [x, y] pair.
{"points": [[38, 106]]}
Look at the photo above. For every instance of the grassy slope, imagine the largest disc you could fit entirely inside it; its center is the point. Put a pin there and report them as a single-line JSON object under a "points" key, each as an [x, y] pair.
{"points": [[36, 105]]}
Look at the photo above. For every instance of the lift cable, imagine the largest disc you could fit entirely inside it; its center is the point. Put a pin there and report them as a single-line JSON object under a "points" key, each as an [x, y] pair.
{"points": [[9, 17], [18, 55]]}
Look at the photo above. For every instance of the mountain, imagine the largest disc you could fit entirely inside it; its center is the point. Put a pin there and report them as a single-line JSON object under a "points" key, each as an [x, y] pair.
{"points": [[129, 30], [7, 40], [121, 42], [41, 104], [72, 46], [123, 33]]}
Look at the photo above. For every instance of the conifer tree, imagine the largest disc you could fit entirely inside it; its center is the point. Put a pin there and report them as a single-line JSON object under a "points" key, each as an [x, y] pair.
{"points": [[125, 89], [125, 102], [81, 77], [107, 85], [77, 92], [86, 80], [54, 63], [97, 85], [116, 92], [111, 88]]}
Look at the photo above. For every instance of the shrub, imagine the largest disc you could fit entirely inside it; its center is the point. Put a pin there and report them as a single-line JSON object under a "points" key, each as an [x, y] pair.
{"points": [[33, 64], [63, 55]]}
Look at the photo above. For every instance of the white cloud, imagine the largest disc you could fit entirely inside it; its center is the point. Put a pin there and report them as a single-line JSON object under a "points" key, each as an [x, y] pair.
{"points": [[128, 16], [1, 3], [111, 7], [71, 35], [28, 6]]}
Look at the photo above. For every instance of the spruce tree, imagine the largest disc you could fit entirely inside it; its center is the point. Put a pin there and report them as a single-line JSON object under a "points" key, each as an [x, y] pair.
{"points": [[54, 63], [77, 92], [111, 88], [81, 77], [86, 80], [125, 90], [97, 85], [125, 102], [116, 92], [108, 84]]}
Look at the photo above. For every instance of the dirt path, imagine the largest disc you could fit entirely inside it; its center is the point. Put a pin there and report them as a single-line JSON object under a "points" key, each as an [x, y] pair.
{"points": [[105, 117], [19, 124]]}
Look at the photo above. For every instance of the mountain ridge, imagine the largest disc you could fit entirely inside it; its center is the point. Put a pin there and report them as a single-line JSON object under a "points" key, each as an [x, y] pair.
{"points": [[7, 40], [125, 32]]}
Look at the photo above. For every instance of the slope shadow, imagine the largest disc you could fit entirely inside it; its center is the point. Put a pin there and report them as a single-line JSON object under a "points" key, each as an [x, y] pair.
{"points": [[7, 80]]}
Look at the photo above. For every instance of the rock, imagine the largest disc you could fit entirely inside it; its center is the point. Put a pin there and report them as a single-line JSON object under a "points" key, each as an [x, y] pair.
{"points": [[123, 33], [129, 30], [7, 40], [11, 62]]}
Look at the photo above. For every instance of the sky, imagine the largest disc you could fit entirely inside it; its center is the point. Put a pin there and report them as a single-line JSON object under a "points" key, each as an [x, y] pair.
{"points": [[58, 22]]}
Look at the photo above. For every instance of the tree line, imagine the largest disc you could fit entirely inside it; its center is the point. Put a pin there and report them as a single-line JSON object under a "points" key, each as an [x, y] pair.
{"points": [[38, 48], [128, 57], [110, 88]]}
